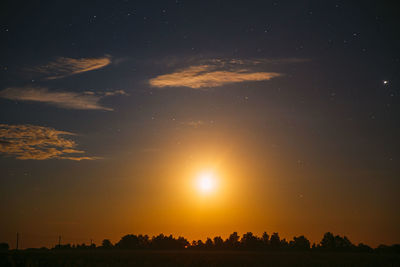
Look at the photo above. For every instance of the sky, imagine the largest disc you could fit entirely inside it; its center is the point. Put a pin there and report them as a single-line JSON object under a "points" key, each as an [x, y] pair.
{"points": [[110, 111]]}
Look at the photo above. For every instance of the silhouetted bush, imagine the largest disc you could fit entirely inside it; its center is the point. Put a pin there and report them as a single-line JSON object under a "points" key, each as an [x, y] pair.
{"points": [[336, 243], [300, 243], [168, 242], [106, 244], [134, 242]]}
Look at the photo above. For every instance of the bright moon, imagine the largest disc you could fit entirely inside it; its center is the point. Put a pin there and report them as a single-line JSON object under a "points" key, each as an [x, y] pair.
{"points": [[206, 182]]}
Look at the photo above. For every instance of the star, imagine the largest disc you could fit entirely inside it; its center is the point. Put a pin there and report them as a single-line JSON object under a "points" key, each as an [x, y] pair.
{"points": [[385, 82]]}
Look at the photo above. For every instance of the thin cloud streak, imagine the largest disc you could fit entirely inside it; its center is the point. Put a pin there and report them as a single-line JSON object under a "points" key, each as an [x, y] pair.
{"points": [[38, 143], [63, 99], [64, 66], [115, 93], [209, 76]]}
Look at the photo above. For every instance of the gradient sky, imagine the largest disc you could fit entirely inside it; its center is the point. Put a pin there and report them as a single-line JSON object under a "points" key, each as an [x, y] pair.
{"points": [[109, 110]]}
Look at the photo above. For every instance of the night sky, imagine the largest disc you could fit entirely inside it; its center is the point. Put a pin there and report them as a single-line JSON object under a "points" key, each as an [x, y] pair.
{"points": [[110, 109]]}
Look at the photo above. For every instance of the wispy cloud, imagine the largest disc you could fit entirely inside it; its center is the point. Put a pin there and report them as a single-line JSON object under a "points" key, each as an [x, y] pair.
{"points": [[38, 143], [63, 66], [215, 73], [114, 93], [63, 99]]}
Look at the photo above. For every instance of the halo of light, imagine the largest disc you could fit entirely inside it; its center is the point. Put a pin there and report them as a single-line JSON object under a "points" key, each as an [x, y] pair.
{"points": [[206, 182]]}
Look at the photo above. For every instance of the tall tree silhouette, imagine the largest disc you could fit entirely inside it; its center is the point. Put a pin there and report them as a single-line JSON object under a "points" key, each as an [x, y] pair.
{"points": [[275, 241], [209, 243], [218, 242], [250, 241], [106, 244], [265, 240], [233, 241]]}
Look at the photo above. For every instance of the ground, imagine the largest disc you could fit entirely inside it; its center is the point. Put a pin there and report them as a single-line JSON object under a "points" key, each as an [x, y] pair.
{"points": [[192, 258]]}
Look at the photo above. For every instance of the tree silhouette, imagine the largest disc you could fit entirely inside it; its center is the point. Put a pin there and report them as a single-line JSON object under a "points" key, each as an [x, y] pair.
{"points": [[275, 241], [248, 241], [284, 244], [128, 242], [300, 243], [265, 240], [199, 244], [233, 241], [106, 244], [251, 242], [168, 242], [209, 244], [364, 248], [328, 241], [335, 243], [218, 242]]}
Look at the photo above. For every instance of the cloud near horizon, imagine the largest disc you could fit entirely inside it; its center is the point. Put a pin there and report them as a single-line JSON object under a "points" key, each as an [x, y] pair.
{"points": [[70, 100], [210, 75], [27, 141], [64, 66]]}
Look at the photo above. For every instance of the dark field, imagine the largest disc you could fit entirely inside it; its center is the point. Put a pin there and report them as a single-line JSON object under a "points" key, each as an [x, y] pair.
{"points": [[193, 258]]}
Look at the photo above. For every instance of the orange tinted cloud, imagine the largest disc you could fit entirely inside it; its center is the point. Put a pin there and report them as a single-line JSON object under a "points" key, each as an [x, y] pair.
{"points": [[64, 66], [114, 93], [63, 99], [209, 76], [38, 143]]}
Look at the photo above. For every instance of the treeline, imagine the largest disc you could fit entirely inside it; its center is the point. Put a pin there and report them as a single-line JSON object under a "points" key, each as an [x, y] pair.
{"points": [[248, 241]]}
